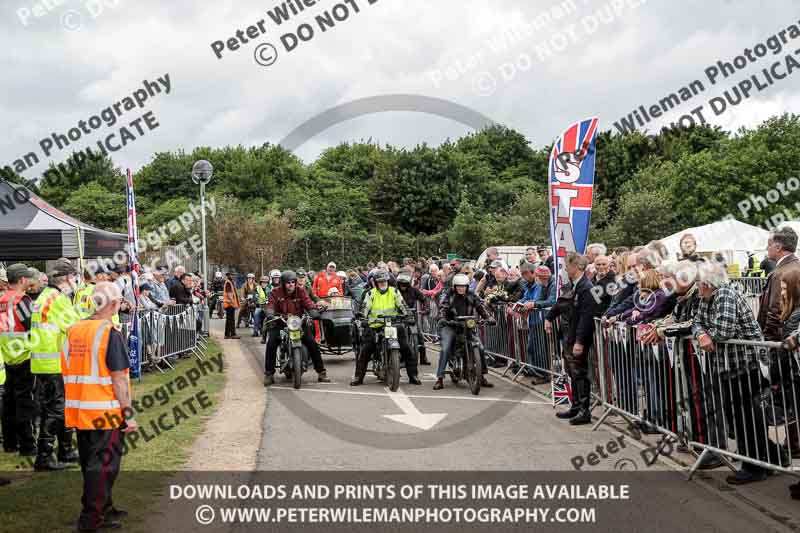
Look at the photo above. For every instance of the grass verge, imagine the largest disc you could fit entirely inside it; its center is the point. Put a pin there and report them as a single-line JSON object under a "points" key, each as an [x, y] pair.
{"points": [[181, 400]]}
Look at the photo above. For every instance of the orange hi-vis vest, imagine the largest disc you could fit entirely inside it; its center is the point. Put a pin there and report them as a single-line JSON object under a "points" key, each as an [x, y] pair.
{"points": [[89, 400]]}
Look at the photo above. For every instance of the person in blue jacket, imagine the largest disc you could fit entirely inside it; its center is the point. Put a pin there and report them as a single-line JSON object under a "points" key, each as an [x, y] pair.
{"points": [[539, 294]]}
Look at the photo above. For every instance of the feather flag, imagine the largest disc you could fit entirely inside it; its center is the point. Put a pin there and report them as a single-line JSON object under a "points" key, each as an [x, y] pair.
{"points": [[133, 238], [571, 187]]}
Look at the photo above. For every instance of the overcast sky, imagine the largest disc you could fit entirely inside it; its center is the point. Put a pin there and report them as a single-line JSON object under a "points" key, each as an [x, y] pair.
{"points": [[56, 75]]}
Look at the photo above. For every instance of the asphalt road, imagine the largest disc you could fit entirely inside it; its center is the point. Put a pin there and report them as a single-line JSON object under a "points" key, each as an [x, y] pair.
{"points": [[336, 427]]}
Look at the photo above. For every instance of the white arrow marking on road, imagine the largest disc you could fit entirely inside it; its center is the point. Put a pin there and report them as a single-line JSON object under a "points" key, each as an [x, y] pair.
{"points": [[412, 416]]}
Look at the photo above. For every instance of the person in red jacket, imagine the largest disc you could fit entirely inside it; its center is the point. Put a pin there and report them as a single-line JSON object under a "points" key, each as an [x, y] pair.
{"points": [[325, 281], [289, 299]]}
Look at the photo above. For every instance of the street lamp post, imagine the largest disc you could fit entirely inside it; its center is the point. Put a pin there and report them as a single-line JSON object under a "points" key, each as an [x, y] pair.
{"points": [[201, 174]]}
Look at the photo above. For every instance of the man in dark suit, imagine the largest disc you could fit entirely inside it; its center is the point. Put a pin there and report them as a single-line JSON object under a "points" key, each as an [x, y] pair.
{"points": [[578, 338], [781, 246]]}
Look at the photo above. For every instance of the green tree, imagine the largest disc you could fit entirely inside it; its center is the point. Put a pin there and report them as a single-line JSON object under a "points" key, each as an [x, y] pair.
{"points": [[96, 205]]}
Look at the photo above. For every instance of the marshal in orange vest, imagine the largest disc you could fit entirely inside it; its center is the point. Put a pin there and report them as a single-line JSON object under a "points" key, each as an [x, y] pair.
{"points": [[89, 400]]}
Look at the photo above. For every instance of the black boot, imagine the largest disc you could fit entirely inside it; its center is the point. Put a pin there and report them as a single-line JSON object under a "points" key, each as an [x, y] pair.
{"points": [[66, 447], [269, 379], [570, 413], [414, 380], [439, 385], [45, 461], [358, 380], [583, 417]]}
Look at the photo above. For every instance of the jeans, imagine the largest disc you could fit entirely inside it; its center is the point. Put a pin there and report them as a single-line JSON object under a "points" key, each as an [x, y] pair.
{"points": [[447, 338], [258, 319]]}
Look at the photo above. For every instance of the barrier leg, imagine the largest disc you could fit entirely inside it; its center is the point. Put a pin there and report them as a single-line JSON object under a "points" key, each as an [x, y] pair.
{"points": [[696, 464], [603, 417]]}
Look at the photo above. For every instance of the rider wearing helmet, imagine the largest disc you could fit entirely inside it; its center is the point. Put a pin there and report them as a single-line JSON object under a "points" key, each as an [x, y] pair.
{"points": [[274, 282], [414, 300], [290, 299], [383, 300], [458, 301], [249, 288]]}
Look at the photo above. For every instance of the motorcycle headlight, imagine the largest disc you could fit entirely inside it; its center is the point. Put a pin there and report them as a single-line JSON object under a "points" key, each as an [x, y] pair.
{"points": [[471, 323], [294, 322]]}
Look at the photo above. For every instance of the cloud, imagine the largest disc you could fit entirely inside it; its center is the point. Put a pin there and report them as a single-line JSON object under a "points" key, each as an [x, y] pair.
{"points": [[55, 77]]}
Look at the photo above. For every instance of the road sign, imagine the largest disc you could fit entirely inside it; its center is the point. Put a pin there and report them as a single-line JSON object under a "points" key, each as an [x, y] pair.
{"points": [[450, 257]]}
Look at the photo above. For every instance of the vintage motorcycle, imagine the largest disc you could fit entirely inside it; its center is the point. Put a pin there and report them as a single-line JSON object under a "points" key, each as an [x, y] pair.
{"points": [[465, 362], [293, 360]]}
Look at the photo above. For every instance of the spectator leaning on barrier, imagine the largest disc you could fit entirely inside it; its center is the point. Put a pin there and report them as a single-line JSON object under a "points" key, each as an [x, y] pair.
{"points": [[145, 302], [176, 279], [781, 246], [182, 292], [790, 317], [18, 396], [791, 330], [539, 294], [603, 281], [578, 338], [651, 300], [160, 294], [95, 365], [626, 286], [722, 315]]}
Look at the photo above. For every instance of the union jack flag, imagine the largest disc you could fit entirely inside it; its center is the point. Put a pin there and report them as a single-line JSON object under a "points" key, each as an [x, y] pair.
{"points": [[133, 238], [571, 187]]}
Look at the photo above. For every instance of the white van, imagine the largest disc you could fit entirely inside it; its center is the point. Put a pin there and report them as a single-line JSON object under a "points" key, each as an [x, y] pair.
{"points": [[512, 255]]}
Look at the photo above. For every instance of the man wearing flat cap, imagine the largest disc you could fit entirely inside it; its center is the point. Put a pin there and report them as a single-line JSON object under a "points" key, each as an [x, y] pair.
{"points": [[18, 399], [52, 316]]}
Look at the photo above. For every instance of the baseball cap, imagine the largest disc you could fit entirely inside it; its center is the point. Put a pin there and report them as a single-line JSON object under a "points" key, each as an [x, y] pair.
{"points": [[496, 264], [63, 267], [146, 287], [17, 271]]}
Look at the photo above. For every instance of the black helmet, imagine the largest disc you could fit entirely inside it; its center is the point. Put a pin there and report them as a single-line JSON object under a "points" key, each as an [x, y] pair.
{"points": [[287, 276], [302, 273]]}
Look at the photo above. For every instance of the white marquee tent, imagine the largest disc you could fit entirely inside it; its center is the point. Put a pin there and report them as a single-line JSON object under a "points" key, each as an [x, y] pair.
{"points": [[730, 237]]}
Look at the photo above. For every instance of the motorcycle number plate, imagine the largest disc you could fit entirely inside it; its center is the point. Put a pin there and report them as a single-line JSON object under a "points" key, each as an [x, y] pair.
{"points": [[390, 332], [295, 335], [471, 324]]}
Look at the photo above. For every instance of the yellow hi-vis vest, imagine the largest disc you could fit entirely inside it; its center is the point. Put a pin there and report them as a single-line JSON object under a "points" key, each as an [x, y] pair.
{"points": [[83, 300], [262, 295], [52, 316], [85, 305], [383, 304]]}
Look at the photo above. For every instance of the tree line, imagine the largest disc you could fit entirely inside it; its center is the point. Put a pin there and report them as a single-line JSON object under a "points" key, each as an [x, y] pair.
{"points": [[364, 201]]}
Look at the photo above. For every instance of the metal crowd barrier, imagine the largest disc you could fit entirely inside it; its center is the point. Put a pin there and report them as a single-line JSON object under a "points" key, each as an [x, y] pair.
{"points": [[169, 332], [739, 402]]}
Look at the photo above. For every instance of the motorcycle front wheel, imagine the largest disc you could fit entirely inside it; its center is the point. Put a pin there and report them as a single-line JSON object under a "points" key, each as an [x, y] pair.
{"points": [[474, 370], [297, 367], [393, 372]]}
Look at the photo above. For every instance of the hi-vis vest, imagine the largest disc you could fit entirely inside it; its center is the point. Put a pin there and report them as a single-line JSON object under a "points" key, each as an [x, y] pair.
{"points": [[383, 304], [52, 315], [85, 305], [89, 401], [13, 337], [83, 300], [262, 295]]}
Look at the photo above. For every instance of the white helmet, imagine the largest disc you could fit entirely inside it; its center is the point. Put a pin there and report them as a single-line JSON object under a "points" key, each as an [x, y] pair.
{"points": [[275, 273], [333, 291], [460, 280], [342, 274], [218, 275]]}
